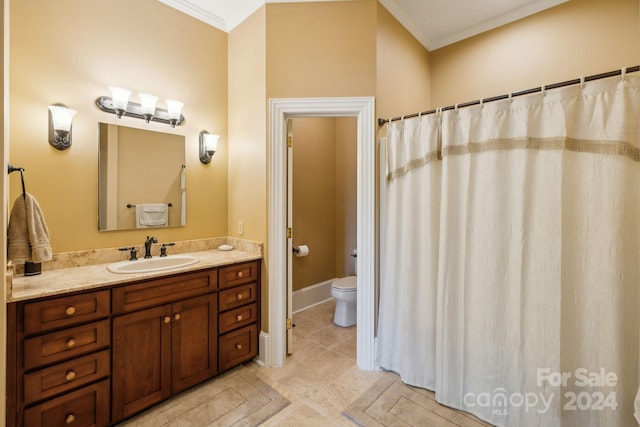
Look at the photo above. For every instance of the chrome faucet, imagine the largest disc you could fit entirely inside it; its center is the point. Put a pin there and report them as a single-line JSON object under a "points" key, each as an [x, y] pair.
{"points": [[147, 246]]}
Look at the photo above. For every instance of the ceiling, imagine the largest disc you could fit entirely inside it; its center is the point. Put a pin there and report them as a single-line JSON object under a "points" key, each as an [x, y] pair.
{"points": [[435, 23]]}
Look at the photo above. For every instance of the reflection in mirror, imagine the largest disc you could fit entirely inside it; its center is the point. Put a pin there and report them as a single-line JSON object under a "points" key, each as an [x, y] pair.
{"points": [[141, 178]]}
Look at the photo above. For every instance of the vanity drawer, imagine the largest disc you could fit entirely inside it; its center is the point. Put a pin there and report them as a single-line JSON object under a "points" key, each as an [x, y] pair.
{"points": [[238, 317], [66, 311], [232, 298], [238, 274], [88, 406], [57, 346], [162, 291], [238, 346], [65, 376]]}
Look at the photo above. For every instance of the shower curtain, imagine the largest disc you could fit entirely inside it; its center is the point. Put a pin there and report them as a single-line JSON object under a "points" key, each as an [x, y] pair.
{"points": [[536, 289], [410, 242]]}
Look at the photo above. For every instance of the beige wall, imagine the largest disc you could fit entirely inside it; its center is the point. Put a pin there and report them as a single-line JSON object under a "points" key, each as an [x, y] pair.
{"points": [[577, 38], [314, 199], [248, 128], [247, 200], [346, 194], [70, 51], [403, 69], [321, 49], [324, 198]]}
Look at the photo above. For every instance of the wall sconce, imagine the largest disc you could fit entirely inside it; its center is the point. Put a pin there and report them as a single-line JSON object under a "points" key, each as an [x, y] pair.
{"points": [[118, 103], [208, 146], [60, 118]]}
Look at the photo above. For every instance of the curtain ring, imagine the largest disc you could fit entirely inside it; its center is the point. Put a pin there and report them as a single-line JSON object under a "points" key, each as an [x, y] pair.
{"points": [[543, 90], [623, 73], [582, 82], [456, 108], [510, 96]]}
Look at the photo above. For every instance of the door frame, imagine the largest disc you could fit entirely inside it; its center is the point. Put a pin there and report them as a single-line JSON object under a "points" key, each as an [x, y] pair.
{"points": [[279, 110]]}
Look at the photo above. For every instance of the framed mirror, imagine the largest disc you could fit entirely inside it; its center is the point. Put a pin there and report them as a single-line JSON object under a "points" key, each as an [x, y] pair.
{"points": [[141, 178]]}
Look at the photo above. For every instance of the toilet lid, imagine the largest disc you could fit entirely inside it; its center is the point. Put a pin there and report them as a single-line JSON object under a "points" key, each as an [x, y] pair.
{"points": [[345, 283]]}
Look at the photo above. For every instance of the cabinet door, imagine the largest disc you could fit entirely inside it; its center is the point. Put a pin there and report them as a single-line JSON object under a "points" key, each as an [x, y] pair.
{"points": [[141, 360], [194, 341]]}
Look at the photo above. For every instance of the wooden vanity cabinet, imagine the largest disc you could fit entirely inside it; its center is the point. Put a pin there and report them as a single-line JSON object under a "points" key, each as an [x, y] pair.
{"points": [[160, 350], [58, 361], [239, 314], [94, 358]]}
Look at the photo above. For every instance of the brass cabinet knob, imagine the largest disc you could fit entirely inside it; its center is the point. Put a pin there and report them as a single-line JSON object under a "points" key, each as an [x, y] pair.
{"points": [[240, 274], [176, 316], [239, 346], [166, 319], [70, 418], [70, 310], [239, 296], [71, 375], [239, 317], [71, 342]]}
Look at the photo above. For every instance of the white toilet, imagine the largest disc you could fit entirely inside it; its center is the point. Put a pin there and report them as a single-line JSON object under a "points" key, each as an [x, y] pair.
{"points": [[344, 290]]}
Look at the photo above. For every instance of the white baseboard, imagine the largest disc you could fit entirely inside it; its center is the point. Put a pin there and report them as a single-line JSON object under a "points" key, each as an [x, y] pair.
{"points": [[311, 295], [263, 345]]}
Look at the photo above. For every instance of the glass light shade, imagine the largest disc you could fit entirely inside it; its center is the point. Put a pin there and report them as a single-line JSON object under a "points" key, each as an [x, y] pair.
{"points": [[210, 142], [148, 103], [174, 109], [62, 117], [120, 97]]}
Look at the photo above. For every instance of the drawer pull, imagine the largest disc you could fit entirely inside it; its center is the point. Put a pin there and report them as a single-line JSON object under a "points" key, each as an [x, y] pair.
{"points": [[240, 274], [239, 346], [71, 310], [70, 418], [71, 342], [239, 296], [176, 316], [71, 375], [239, 317], [166, 319]]}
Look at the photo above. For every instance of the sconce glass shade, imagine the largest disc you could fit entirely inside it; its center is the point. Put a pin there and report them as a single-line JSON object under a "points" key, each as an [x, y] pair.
{"points": [[60, 119], [148, 105], [174, 109], [120, 97], [208, 146]]}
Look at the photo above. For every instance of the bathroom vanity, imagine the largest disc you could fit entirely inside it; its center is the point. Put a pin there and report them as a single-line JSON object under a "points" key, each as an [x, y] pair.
{"points": [[102, 354]]}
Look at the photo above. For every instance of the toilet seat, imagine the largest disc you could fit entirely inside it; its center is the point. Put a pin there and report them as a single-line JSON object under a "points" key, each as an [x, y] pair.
{"points": [[345, 284]]}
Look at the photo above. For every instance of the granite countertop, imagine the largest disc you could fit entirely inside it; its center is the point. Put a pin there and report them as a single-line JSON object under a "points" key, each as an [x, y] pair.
{"points": [[61, 281]]}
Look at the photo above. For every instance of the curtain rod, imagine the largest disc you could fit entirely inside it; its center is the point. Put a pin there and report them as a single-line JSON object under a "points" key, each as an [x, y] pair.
{"points": [[382, 122]]}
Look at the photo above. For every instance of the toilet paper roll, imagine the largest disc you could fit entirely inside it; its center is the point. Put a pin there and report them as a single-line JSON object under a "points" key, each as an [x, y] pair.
{"points": [[302, 250]]}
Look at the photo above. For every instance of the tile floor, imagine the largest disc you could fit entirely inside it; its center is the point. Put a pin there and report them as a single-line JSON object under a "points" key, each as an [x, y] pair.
{"points": [[321, 378]]}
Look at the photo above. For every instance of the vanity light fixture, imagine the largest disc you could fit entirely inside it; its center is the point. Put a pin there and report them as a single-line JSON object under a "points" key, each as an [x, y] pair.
{"points": [[208, 146], [118, 103], [148, 105], [120, 97], [60, 118], [175, 110]]}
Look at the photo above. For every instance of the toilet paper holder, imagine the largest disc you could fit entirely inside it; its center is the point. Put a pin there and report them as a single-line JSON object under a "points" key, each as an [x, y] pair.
{"points": [[301, 250]]}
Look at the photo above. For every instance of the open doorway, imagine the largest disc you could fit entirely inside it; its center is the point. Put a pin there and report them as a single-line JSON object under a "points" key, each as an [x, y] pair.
{"points": [[322, 212], [280, 110]]}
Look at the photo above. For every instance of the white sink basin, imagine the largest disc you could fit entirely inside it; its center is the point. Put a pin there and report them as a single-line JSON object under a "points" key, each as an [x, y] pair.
{"points": [[152, 264]]}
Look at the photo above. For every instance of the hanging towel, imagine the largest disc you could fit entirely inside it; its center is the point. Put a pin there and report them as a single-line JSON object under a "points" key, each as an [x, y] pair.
{"points": [[183, 191], [152, 215], [28, 234]]}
